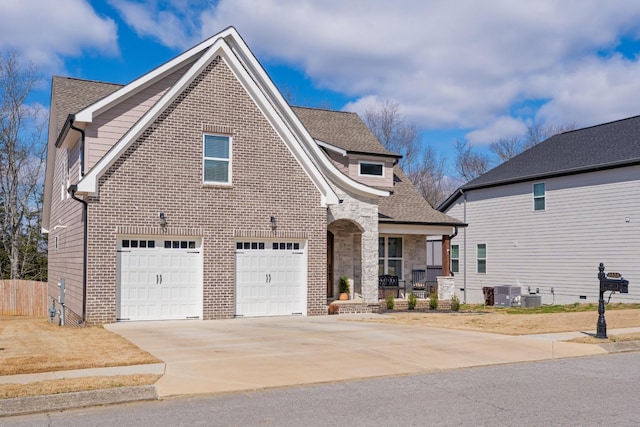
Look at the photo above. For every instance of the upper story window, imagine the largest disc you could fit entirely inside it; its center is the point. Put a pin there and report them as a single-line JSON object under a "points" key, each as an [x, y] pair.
{"points": [[371, 169], [216, 161], [539, 196]]}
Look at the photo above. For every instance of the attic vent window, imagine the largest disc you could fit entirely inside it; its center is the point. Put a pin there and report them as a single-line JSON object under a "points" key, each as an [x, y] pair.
{"points": [[371, 169]]}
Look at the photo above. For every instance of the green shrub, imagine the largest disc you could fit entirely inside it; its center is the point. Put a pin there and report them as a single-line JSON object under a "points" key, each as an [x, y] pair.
{"points": [[344, 285], [412, 302], [390, 302], [433, 301], [455, 303]]}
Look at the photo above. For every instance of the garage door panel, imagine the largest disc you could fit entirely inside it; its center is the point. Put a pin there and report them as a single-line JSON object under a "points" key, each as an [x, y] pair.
{"points": [[271, 282], [159, 282]]}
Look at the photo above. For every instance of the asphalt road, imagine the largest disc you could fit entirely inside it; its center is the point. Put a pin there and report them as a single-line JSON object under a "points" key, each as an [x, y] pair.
{"points": [[588, 391]]}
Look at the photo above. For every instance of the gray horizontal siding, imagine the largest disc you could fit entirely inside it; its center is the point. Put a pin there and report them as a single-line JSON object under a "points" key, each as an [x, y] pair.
{"points": [[561, 247]]}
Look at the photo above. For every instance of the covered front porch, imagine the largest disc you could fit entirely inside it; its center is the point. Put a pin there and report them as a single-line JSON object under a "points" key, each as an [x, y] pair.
{"points": [[398, 259]]}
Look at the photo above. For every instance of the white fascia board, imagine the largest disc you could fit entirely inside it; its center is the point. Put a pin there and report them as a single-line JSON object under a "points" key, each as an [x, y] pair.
{"points": [[331, 147], [89, 183], [426, 230], [86, 115], [257, 73]]}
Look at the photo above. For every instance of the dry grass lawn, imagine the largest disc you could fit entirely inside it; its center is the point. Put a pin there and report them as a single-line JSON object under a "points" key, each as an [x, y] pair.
{"points": [[30, 345], [74, 384], [500, 322]]}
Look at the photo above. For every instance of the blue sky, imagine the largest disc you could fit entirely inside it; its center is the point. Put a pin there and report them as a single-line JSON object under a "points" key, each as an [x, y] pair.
{"points": [[463, 69]]}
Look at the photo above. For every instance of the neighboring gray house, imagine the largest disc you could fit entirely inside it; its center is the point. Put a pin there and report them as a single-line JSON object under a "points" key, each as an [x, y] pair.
{"points": [[545, 219], [196, 191]]}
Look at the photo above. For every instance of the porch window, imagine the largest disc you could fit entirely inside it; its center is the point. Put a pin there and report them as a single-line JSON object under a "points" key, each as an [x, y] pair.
{"points": [[481, 255], [216, 163], [455, 258], [390, 256], [538, 196]]}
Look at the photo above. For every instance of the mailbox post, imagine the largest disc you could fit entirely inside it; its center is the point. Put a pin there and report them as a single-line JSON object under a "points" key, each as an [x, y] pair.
{"points": [[612, 282]]}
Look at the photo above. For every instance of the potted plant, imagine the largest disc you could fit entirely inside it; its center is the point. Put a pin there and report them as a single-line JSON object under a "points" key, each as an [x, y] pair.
{"points": [[344, 288]]}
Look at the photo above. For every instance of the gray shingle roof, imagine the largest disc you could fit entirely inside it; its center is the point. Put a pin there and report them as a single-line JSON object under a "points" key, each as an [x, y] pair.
{"points": [[72, 95], [341, 129], [406, 205], [348, 131], [344, 130], [598, 147]]}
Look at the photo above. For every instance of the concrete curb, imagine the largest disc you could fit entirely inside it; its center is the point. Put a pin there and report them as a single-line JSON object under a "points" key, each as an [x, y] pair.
{"points": [[59, 402], [620, 347]]}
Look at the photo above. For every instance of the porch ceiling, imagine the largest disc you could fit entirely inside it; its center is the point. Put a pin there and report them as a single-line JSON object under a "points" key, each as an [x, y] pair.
{"points": [[420, 229]]}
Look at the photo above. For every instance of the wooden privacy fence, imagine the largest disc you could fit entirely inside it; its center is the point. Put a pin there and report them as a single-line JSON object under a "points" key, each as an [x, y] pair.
{"points": [[23, 298]]}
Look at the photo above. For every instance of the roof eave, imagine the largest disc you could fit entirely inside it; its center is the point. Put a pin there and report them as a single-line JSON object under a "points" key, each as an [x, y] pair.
{"points": [[556, 174]]}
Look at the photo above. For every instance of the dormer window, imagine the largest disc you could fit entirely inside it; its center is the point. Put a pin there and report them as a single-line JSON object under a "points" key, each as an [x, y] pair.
{"points": [[371, 169]]}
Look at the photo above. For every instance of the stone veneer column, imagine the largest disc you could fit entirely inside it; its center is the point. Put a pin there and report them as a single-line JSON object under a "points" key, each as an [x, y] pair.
{"points": [[363, 212], [370, 264]]}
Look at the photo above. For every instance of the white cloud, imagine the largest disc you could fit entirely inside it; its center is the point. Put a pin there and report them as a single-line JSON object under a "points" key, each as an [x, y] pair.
{"points": [[171, 22], [501, 128], [43, 31], [463, 64]]}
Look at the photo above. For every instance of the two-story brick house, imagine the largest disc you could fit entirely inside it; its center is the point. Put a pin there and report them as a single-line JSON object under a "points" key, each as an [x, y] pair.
{"points": [[196, 191]]}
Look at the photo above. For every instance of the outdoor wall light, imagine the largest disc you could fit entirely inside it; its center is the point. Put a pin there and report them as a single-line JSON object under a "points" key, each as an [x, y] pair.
{"points": [[274, 223], [163, 219]]}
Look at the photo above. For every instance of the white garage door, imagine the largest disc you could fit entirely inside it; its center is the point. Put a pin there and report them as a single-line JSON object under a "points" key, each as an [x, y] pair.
{"points": [[159, 278], [271, 278]]}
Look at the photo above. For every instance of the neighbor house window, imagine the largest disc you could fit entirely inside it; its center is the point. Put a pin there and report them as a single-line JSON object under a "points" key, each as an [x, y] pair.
{"points": [[371, 169], [538, 196], [455, 258], [216, 167], [390, 256], [481, 255]]}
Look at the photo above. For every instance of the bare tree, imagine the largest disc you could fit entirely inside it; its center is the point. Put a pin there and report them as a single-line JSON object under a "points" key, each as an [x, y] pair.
{"points": [[507, 148], [431, 178], [388, 125], [470, 163], [422, 164], [21, 157]]}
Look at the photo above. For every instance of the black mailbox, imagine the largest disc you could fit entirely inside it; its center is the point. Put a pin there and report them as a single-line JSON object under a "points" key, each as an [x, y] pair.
{"points": [[610, 282], [613, 282]]}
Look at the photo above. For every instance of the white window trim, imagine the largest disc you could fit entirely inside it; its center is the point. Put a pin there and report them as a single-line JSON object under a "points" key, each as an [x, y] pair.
{"points": [[486, 256], [386, 257], [543, 197], [360, 162], [451, 259], [229, 160]]}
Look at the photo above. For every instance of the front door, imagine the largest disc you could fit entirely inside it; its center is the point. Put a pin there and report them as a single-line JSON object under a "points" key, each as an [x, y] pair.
{"points": [[329, 264]]}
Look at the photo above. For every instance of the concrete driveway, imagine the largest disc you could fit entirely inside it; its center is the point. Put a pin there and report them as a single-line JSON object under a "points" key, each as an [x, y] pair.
{"points": [[219, 356]]}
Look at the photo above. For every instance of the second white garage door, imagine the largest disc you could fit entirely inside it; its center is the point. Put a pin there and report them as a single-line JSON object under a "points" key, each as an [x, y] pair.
{"points": [[271, 278]]}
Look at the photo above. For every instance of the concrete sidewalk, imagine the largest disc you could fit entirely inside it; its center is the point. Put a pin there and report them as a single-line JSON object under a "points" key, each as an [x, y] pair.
{"points": [[221, 356]]}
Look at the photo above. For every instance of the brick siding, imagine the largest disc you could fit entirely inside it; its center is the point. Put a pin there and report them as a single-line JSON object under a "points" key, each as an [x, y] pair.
{"points": [[162, 172]]}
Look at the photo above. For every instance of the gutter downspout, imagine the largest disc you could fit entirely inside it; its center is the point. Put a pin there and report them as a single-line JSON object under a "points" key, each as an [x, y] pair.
{"points": [[81, 155], [85, 208], [464, 243]]}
